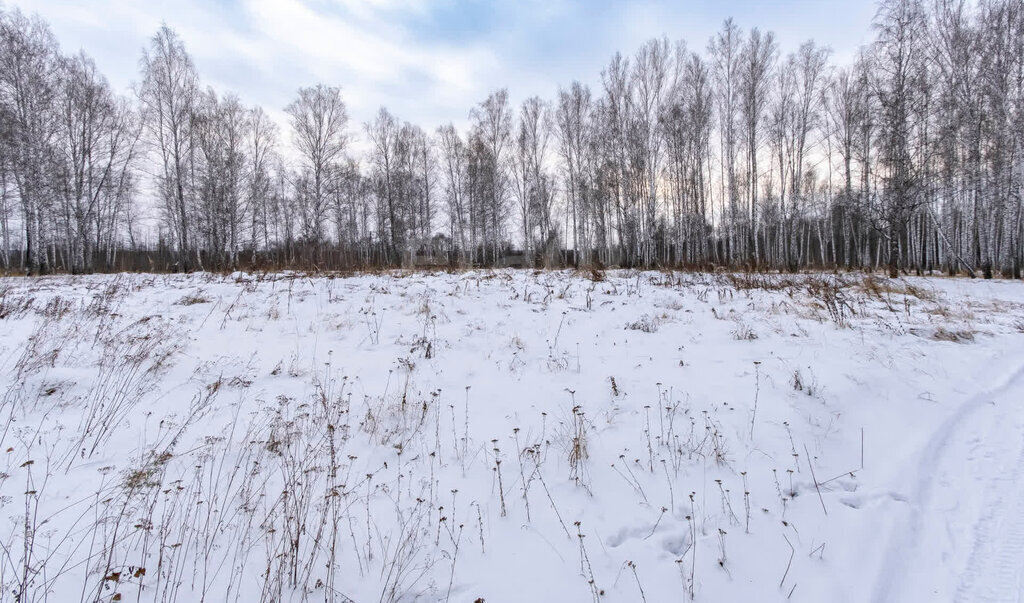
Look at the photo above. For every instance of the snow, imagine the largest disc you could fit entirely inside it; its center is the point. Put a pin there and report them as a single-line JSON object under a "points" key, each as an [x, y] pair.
{"points": [[511, 436]]}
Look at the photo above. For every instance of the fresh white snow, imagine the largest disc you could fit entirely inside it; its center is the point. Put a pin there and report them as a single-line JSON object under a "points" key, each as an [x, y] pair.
{"points": [[511, 436]]}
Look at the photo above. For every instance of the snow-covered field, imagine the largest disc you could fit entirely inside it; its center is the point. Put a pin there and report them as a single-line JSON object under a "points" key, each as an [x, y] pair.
{"points": [[511, 436]]}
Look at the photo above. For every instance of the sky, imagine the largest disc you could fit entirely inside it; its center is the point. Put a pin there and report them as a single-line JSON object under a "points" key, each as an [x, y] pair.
{"points": [[427, 61]]}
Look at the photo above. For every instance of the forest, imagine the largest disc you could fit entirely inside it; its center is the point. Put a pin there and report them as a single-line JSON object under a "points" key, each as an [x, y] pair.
{"points": [[723, 152]]}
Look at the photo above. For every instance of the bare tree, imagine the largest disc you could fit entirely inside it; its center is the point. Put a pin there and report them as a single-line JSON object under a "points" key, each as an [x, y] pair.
{"points": [[725, 50], [261, 148], [384, 133], [492, 123], [222, 132], [529, 169], [846, 114], [28, 65], [655, 73], [318, 119], [687, 126], [795, 113], [7, 198], [573, 120], [168, 95], [758, 59], [95, 151], [454, 166], [425, 175], [899, 86], [618, 134]]}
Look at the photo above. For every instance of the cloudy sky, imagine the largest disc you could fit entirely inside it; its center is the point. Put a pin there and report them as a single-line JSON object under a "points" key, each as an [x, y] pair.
{"points": [[428, 61]]}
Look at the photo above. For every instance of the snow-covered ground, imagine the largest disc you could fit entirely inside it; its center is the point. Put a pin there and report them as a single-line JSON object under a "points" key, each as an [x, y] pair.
{"points": [[511, 436]]}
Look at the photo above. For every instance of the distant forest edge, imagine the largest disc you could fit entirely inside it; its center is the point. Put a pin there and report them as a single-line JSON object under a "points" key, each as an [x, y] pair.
{"points": [[726, 153]]}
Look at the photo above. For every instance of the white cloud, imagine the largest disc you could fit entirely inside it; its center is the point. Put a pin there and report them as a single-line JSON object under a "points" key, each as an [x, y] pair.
{"points": [[415, 56]]}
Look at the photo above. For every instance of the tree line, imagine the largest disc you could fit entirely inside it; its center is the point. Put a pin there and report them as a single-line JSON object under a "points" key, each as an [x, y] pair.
{"points": [[732, 154]]}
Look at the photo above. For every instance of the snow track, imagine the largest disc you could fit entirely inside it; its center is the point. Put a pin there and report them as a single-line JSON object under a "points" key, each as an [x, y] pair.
{"points": [[994, 570], [964, 538]]}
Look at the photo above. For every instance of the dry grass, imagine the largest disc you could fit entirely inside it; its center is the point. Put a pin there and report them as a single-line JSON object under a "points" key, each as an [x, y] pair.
{"points": [[885, 288], [954, 335], [646, 324], [192, 300]]}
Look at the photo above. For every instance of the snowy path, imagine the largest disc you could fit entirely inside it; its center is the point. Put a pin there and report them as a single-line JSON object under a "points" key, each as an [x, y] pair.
{"points": [[964, 538], [994, 570], [996, 565]]}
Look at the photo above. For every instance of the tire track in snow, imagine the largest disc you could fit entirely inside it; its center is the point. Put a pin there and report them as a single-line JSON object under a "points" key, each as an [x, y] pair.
{"points": [[994, 569], [995, 564]]}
